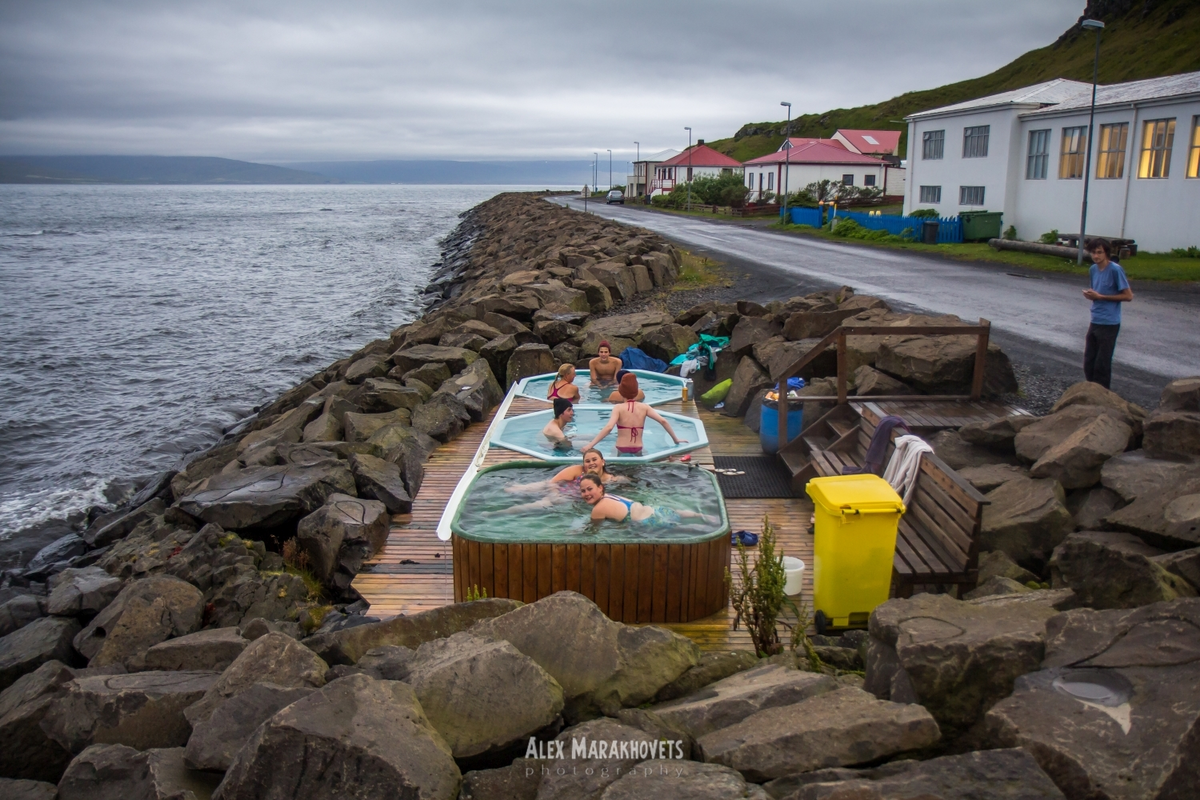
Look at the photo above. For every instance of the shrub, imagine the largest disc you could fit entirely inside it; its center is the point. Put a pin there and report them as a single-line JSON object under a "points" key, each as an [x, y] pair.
{"points": [[849, 229], [925, 213], [1186, 252], [1049, 237], [707, 190], [1010, 233], [827, 191]]}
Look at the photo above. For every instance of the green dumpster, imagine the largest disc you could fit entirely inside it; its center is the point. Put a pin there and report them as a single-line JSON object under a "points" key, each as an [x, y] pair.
{"points": [[980, 225]]}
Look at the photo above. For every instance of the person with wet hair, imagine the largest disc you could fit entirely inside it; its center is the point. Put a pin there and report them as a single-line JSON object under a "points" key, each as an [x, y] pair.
{"points": [[1109, 289], [616, 397], [630, 420], [563, 386], [622, 509], [603, 368], [564, 486], [555, 430]]}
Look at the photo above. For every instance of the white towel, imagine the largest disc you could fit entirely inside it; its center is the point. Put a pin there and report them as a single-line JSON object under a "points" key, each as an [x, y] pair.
{"points": [[905, 466], [688, 367]]}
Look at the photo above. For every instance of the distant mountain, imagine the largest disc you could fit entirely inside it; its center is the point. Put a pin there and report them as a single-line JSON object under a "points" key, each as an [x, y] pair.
{"points": [[1142, 39], [148, 169], [505, 173]]}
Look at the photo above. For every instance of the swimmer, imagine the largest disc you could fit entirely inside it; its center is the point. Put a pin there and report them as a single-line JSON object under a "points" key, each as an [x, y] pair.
{"points": [[563, 386], [630, 420], [603, 368], [621, 509], [615, 397], [564, 485], [564, 412]]}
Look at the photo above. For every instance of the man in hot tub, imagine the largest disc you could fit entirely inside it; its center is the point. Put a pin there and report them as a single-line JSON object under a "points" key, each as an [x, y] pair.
{"points": [[620, 509], [555, 430]]}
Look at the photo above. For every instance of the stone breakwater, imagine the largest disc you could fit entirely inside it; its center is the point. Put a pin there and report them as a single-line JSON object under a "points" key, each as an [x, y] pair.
{"points": [[206, 640]]}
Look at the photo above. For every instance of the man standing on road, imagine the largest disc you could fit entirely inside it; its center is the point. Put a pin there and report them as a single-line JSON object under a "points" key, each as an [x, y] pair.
{"points": [[1109, 289]]}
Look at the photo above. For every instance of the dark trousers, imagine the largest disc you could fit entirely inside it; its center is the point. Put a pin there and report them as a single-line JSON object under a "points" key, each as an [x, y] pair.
{"points": [[1098, 353]]}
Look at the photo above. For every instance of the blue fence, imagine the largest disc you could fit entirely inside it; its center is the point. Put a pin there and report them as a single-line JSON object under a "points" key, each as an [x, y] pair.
{"points": [[805, 216], [949, 228]]}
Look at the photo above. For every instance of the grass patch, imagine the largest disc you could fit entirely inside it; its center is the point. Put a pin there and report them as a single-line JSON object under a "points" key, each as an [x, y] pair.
{"points": [[698, 272], [1143, 266]]}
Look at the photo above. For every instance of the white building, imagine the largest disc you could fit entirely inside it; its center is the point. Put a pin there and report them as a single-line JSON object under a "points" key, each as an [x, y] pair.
{"points": [[1023, 152], [800, 161], [698, 160], [643, 172]]}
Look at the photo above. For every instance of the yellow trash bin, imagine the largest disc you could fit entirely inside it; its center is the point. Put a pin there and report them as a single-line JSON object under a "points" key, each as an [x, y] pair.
{"points": [[855, 544]]}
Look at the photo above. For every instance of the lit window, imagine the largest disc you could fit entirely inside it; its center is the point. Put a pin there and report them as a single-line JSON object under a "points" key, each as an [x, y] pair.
{"points": [[1039, 155], [1194, 154], [1158, 136], [931, 194], [975, 141], [932, 144], [970, 195], [1070, 159], [848, 179], [1110, 155], [868, 180]]}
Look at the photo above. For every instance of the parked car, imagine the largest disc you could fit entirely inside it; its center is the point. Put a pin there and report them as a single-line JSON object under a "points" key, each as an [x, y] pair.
{"points": [[615, 196]]}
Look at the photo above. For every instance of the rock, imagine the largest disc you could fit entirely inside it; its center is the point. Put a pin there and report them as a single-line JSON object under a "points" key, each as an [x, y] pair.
{"points": [[361, 427], [729, 701], [212, 650], [286, 428], [1133, 473], [1025, 518], [349, 645], [266, 497], [456, 359], [517, 781], [748, 332], [272, 658], [1032, 442], [26, 750], [998, 434], [1089, 507], [431, 373], [997, 564], [1181, 395], [668, 341], [117, 772], [482, 695], [407, 448], [815, 324], [1086, 393], [27, 790], [958, 454], [528, 360], [1172, 434], [55, 557], [518, 305], [995, 586], [990, 476], [945, 364], [389, 662], [955, 658], [1075, 462], [869, 381], [748, 380], [554, 331], [682, 780], [585, 773], [617, 278], [598, 296], [839, 728], [85, 592], [1168, 518], [26, 649], [146, 612], [712, 667], [1185, 564], [325, 428], [1114, 711], [379, 395], [610, 666], [989, 775], [321, 533], [465, 339], [215, 741], [1116, 570], [116, 529], [366, 367], [443, 418], [497, 352], [372, 735], [19, 612], [141, 710], [476, 388]]}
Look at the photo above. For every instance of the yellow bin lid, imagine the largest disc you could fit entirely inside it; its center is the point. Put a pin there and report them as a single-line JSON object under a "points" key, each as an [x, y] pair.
{"points": [[869, 494]]}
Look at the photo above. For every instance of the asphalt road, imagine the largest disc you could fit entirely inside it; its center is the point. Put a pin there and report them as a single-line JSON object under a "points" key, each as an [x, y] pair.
{"points": [[1039, 318]]}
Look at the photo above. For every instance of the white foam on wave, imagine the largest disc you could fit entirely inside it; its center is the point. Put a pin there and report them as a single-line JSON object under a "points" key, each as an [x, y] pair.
{"points": [[18, 512]]}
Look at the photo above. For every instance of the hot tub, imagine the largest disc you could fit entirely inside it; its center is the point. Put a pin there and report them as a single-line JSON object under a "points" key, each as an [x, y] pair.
{"points": [[659, 388], [634, 572], [524, 435]]}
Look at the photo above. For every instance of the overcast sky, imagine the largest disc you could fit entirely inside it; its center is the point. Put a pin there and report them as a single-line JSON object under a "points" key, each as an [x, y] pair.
{"points": [[468, 80]]}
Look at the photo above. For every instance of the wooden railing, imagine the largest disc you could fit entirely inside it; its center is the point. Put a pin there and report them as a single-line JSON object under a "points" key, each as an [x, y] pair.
{"points": [[838, 336]]}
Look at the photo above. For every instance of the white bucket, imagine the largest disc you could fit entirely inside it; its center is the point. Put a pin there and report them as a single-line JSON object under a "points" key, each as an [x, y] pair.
{"points": [[793, 570]]}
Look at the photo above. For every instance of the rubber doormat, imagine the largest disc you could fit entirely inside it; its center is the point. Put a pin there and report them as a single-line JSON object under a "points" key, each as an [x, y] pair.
{"points": [[752, 476]]}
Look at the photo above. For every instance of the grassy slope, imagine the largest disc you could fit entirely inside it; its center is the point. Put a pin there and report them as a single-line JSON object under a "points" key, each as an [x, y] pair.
{"points": [[1164, 42]]}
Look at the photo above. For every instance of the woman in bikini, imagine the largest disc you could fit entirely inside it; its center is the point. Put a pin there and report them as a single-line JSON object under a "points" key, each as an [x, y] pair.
{"points": [[622, 509], [563, 385], [565, 483], [615, 396], [629, 418]]}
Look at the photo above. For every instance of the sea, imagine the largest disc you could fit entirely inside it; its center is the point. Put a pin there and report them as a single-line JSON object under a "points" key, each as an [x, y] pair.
{"points": [[139, 323]]}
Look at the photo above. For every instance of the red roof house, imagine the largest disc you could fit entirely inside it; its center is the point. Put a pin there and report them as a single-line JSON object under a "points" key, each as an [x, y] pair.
{"points": [[698, 160]]}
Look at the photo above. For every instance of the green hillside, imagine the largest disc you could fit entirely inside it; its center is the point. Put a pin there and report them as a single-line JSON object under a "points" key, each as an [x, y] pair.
{"points": [[1142, 39]]}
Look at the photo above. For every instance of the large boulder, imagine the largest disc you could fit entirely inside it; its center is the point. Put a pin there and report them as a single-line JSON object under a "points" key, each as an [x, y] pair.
{"points": [[585, 773], [1181, 395], [1089, 507], [1168, 518], [991, 476], [1172, 434], [361, 427], [609, 666], [528, 360], [456, 359], [958, 453], [748, 380], [997, 564], [840, 728], [666, 779], [346, 519], [266, 497], [713, 667], [1184, 563], [443, 418], [407, 448], [215, 741], [43, 640], [998, 434], [1025, 518], [497, 352], [955, 658], [1114, 710], [482, 695], [211, 650], [379, 395], [1075, 461], [1133, 474], [748, 332], [273, 658], [20, 611], [668, 341], [1032, 441], [815, 324], [146, 612], [869, 381], [371, 366], [26, 749], [430, 374], [19, 789], [1116, 570], [118, 772], [476, 388], [141, 710], [945, 364], [599, 298], [1086, 393], [371, 738]]}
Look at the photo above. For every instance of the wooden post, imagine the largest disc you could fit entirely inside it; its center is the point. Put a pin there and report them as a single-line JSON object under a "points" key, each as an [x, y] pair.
{"points": [[981, 347], [781, 408], [841, 367]]}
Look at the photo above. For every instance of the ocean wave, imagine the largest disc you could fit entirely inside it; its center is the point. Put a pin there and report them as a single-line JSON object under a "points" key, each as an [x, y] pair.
{"points": [[34, 508], [41, 232]]}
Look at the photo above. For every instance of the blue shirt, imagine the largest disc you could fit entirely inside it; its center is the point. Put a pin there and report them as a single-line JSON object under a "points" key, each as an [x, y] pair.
{"points": [[1110, 280]]}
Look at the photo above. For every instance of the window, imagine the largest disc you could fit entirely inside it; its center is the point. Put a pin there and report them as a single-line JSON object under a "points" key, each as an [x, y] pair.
{"points": [[931, 194], [932, 144], [970, 195], [1193, 170], [868, 180], [975, 141], [770, 181], [1110, 157], [1039, 155], [1158, 135], [1070, 159], [848, 179]]}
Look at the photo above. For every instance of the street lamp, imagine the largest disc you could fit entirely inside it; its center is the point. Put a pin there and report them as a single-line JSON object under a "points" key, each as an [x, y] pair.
{"points": [[595, 170], [1097, 26], [689, 172], [787, 157], [610, 169], [637, 160]]}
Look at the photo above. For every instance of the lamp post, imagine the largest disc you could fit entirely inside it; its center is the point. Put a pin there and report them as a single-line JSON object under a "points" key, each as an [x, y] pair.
{"points": [[689, 172], [787, 157], [636, 160], [1097, 26], [610, 169], [595, 170]]}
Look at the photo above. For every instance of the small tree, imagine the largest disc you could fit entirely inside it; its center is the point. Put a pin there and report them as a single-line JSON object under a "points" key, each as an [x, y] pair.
{"points": [[760, 597]]}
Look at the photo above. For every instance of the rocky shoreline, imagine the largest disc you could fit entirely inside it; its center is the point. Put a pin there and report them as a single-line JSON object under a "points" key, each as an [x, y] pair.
{"points": [[206, 640]]}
